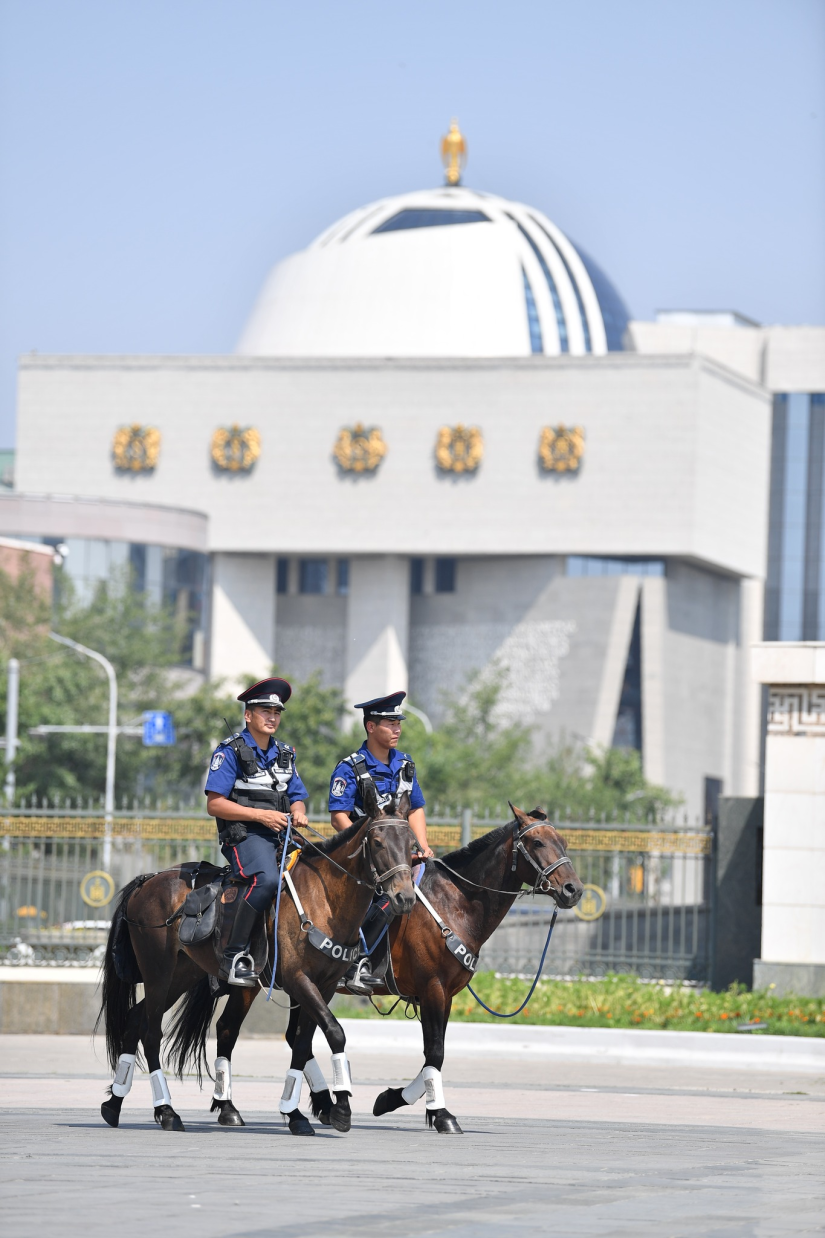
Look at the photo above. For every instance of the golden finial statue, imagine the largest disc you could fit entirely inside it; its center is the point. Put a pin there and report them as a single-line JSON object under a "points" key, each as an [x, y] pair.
{"points": [[453, 154]]}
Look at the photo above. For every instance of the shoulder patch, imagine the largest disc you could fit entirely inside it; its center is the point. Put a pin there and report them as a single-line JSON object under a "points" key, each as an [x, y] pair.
{"points": [[339, 786], [218, 760]]}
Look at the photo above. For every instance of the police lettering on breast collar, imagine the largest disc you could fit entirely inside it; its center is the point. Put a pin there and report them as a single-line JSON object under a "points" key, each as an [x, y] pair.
{"points": [[251, 786], [379, 762]]}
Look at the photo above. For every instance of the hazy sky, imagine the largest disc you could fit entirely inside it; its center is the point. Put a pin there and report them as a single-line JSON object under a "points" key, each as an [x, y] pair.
{"points": [[158, 157]]}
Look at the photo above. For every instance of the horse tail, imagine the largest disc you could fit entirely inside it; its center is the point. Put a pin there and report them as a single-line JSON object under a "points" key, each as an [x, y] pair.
{"points": [[190, 1028], [121, 976]]}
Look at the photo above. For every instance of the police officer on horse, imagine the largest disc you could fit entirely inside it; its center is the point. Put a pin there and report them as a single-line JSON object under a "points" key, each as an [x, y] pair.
{"points": [[378, 763], [251, 787]]}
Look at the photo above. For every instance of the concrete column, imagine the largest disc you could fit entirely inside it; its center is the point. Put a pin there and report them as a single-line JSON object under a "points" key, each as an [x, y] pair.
{"points": [[793, 879], [654, 628], [615, 661], [378, 627], [746, 771], [243, 617]]}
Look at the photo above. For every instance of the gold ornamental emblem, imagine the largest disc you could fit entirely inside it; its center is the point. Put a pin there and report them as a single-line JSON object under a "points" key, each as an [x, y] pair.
{"points": [[136, 448], [359, 449], [592, 905], [236, 448], [561, 449], [97, 888], [453, 154], [459, 449]]}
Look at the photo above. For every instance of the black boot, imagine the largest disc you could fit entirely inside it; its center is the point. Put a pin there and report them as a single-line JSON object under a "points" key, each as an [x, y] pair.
{"points": [[368, 973], [238, 966]]}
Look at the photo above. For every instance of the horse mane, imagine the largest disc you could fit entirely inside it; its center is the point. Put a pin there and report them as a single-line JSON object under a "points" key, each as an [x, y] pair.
{"points": [[461, 859], [325, 846]]}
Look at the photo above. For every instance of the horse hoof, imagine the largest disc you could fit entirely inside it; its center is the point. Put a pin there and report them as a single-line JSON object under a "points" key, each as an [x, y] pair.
{"points": [[324, 1117], [340, 1119], [110, 1114], [388, 1102], [230, 1117], [299, 1125], [443, 1121], [167, 1119]]}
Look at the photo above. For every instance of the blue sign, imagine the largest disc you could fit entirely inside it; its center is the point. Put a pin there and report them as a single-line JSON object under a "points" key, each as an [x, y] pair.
{"points": [[158, 729]]}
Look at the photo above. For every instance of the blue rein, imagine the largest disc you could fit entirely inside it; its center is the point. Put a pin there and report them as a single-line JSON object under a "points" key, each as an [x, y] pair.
{"points": [[278, 907], [498, 1013]]}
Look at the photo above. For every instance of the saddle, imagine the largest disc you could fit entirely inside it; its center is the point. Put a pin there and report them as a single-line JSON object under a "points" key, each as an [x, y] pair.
{"points": [[208, 911]]}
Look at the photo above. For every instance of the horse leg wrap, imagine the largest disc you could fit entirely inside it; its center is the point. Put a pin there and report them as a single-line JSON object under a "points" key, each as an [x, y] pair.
{"points": [[160, 1089], [315, 1076], [415, 1090], [291, 1095], [341, 1074], [434, 1088], [124, 1074], [223, 1079]]}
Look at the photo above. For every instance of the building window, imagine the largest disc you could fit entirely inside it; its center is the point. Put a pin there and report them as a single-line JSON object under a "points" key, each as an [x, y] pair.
{"points": [[416, 576], [591, 565], [628, 732], [794, 606], [342, 577], [283, 576], [445, 575], [551, 284], [429, 217], [532, 316], [585, 325], [313, 575]]}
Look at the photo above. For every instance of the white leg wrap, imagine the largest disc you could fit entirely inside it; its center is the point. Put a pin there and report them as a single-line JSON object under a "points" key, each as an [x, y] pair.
{"points": [[291, 1096], [160, 1089], [315, 1076], [434, 1088], [124, 1074], [223, 1079], [415, 1090], [341, 1074]]}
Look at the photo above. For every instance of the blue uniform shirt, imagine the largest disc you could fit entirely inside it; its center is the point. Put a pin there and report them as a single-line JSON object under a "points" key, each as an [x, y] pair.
{"points": [[225, 767], [343, 788]]}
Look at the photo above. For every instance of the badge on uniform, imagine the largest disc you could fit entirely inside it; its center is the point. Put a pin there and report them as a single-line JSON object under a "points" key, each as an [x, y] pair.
{"points": [[339, 786], [218, 760]]}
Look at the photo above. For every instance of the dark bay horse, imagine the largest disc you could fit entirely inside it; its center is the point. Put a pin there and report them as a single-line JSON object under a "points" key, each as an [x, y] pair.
{"points": [[335, 881], [471, 890]]}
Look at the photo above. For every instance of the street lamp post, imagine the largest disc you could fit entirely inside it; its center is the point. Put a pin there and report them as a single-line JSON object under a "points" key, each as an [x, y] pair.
{"points": [[109, 801]]}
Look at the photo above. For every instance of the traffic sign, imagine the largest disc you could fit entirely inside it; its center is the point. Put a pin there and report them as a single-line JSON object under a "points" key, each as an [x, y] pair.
{"points": [[158, 729]]}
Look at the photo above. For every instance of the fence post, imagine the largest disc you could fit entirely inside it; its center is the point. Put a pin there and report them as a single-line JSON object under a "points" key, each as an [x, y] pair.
{"points": [[466, 826], [11, 727]]}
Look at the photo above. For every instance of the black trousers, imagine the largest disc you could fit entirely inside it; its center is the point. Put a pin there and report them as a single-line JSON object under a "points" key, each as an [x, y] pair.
{"points": [[257, 858]]}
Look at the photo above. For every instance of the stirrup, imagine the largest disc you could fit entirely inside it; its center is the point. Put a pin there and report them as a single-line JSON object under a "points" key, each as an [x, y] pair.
{"points": [[362, 982], [241, 971]]}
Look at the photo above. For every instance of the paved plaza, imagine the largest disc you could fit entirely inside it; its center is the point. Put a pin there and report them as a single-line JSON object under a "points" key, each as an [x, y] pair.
{"points": [[573, 1147]]}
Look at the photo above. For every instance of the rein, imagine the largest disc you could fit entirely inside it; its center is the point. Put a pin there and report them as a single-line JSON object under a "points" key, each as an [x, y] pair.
{"points": [[540, 885], [377, 878], [498, 1014]]}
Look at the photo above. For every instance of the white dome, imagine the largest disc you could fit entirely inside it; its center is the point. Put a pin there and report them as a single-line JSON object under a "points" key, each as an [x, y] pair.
{"points": [[398, 278]]}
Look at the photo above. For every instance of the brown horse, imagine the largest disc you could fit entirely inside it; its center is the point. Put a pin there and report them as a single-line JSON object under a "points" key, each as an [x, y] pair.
{"points": [[471, 891], [334, 882]]}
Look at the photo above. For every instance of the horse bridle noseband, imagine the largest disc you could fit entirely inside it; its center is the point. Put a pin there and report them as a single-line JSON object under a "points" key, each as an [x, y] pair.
{"points": [[378, 879], [541, 884]]}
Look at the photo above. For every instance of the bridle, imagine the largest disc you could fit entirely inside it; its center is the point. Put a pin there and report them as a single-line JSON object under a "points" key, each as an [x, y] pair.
{"points": [[378, 879], [541, 885]]}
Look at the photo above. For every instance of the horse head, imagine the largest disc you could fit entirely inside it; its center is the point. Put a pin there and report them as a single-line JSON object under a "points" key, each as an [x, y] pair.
{"points": [[540, 858], [388, 847]]}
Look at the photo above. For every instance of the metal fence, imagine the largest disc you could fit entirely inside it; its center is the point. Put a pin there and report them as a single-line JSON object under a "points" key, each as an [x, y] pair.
{"points": [[647, 906]]}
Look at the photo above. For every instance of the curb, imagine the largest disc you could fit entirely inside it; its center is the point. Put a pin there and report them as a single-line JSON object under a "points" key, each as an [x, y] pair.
{"points": [[617, 1046]]}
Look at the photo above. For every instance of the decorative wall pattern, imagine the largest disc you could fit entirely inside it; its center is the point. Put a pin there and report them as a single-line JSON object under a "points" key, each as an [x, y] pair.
{"points": [[796, 711], [459, 449], [136, 448], [235, 448], [561, 448], [359, 448]]}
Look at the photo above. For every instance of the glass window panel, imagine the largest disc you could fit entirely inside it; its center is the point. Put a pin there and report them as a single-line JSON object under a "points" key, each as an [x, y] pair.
{"points": [[551, 284], [426, 217], [793, 517], [590, 565], [313, 575], [445, 575], [416, 576], [536, 344], [342, 577], [283, 576]]}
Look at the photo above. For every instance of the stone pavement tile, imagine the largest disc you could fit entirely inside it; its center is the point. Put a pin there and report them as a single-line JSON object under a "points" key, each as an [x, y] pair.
{"points": [[68, 1174]]}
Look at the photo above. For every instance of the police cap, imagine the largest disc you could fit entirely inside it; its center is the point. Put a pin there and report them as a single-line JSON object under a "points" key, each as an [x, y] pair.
{"points": [[269, 692], [384, 707]]}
